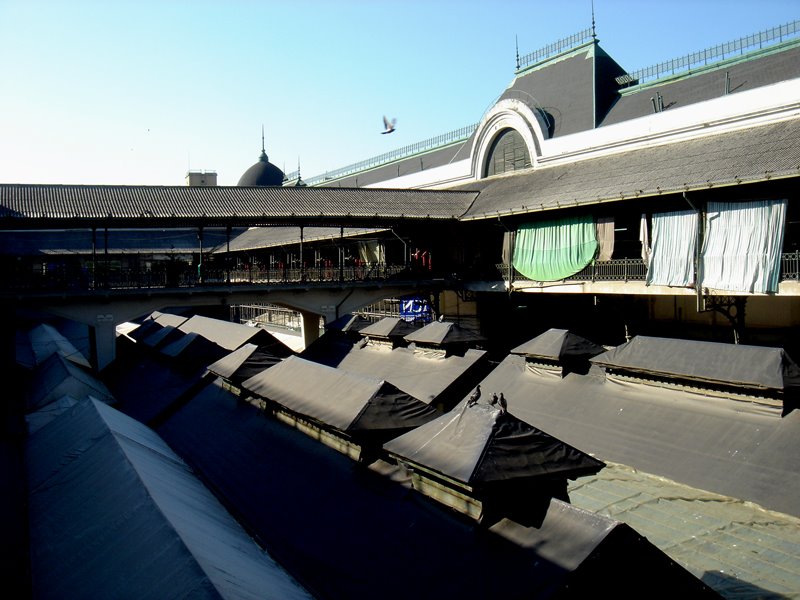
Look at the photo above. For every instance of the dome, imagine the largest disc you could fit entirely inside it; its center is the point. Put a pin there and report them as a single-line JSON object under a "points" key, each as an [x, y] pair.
{"points": [[263, 173]]}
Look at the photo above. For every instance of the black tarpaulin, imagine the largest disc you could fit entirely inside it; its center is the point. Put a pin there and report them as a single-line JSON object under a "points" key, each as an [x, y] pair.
{"points": [[441, 334], [348, 322], [193, 351], [338, 398], [331, 347], [558, 345], [711, 362], [480, 444], [362, 532]]}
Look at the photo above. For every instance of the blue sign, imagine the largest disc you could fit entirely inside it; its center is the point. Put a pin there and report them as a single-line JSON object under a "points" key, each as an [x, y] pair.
{"points": [[413, 308]]}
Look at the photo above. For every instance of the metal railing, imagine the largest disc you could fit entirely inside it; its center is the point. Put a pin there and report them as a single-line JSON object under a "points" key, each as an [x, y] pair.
{"points": [[69, 278], [444, 139], [555, 48], [634, 269], [716, 53]]}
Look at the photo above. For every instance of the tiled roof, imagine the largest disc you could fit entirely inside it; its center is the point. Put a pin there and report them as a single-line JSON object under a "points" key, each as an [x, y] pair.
{"points": [[745, 156], [242, 204], [269, 237]]}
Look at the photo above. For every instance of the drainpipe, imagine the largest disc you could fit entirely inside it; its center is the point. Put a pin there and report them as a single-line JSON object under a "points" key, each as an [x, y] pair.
{"points": [[405, 247], [701, 305]]}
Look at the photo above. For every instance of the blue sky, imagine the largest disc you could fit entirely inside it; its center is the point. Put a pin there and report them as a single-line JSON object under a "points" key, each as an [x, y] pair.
{"points": [[121, 92]]}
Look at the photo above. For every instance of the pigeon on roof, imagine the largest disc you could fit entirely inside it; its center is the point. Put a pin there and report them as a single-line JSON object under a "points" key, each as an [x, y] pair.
{"points": [[388, 126]]}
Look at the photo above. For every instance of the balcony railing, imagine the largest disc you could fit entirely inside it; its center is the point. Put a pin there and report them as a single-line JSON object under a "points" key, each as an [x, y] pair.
{"points": [[68, 278], [634, 269]]}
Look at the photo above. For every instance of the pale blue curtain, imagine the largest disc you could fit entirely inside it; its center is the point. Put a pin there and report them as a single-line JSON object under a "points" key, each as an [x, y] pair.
{"points": [[674, 242], [743, 243], [553, 250]]}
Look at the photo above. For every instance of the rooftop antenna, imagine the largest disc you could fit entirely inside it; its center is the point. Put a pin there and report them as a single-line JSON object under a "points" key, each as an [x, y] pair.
{"points": [[516, 44], [594, 33]]}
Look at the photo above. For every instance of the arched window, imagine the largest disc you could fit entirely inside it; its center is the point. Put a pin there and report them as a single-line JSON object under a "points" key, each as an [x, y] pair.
{"points": [[508, 153]]}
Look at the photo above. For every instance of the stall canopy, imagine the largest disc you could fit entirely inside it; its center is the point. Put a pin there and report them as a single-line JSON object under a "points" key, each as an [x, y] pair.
{"points": [[345, 401], [389, 328], [480, 444], [45, 340], [553, 250], [244, 363], [234, 335], [359, 527], [113, 509], [348, 322], [443, 333], [57, 377], [193, 350], [155, 321], [559, 345], [419, 374], [734, 365]]}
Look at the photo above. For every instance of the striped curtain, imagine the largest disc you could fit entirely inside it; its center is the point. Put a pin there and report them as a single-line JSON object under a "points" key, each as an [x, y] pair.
{"points": [[742, 248], [674, 242]]}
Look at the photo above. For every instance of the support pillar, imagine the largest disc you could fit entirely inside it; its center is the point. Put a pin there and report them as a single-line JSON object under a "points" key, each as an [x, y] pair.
{"points": [[103, 341], [310, 327]]}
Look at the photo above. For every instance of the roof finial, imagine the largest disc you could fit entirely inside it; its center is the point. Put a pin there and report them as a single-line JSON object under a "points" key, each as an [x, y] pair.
{"points": [[516, 45], [594, 33], [263, 156], [298, 167]]}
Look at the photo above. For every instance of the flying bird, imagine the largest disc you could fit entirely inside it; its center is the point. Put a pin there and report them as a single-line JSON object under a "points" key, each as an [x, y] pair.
{"points": [[473, 399], [388, 126]]}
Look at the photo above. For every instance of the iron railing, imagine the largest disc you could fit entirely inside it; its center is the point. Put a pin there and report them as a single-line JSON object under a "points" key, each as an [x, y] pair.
{"points": [[555, 48], [716, 53], [634, 269], [444, 139], [69, 278]]}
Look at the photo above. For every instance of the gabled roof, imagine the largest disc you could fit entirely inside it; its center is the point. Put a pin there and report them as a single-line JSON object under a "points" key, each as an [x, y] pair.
{"points": [[444, 333], [735, 365], [113, 509], [481, 444], [750, 155], [389, 328], [558, 344], [419, 374], [22, 205], [233, 335], [57, 377], [731, 447], [244, 363], [343, 400], [46, 340]]}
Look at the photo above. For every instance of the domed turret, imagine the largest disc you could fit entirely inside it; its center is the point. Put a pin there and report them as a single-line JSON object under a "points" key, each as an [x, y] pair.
{"points": [[263, 173]]}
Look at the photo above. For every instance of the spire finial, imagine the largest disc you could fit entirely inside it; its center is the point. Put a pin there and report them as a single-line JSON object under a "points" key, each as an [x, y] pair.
{"points": [[263, 156], [594, 33], [516, 45], [298, 167]]}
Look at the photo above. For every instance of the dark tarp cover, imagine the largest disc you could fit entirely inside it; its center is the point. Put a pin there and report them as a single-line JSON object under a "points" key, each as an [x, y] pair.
{"points": [[343, 400], [331, 347], [162, 337], [557, 345], [711, 362], [737, 448], [420, 374], [244, 363], [115, 513], [57, 377], [193, 350], [389, 328], [234, 335], [361, 532], [441, 334], [348, 322], [46, 340], [480, 444], [147, 328]]}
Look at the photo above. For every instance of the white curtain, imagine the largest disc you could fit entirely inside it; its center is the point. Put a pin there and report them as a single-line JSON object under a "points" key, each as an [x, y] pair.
{"points": [[644, 237], [674, 243], [742, 248]]}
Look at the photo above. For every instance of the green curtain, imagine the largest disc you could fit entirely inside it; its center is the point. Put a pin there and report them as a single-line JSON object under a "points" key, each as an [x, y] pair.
{"points": [[553, 250]]}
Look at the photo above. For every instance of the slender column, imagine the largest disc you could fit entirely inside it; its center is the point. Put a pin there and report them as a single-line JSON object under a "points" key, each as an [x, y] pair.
{"points": [[104, 341], [310, 327]]}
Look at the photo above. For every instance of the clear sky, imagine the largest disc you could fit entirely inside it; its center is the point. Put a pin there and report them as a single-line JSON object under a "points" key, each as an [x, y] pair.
{"points": [[138, 92]]}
